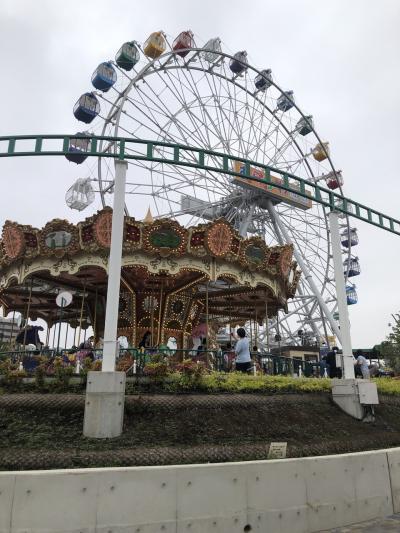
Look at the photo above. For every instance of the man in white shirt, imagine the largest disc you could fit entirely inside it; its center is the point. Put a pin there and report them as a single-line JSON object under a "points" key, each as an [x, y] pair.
{"points": [[242, 351]]}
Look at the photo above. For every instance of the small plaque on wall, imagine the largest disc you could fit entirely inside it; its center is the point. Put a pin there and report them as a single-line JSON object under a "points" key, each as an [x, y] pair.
{"points": [[277, 450]]}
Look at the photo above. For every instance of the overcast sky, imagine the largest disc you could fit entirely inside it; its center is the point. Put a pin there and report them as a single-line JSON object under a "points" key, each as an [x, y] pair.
{"points": [[340, 57]]}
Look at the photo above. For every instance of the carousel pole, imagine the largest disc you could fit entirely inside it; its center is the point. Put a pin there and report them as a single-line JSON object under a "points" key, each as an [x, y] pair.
{"points": [[266, 324], [66, 336], [230, 314], [207, 324], [12, 327], [75, 332], [47, 335], [95, 319], [256, 330], [160, 315], [81, 314], [54, 336], [28, 310], [152, 316], [105, 392], [59, 325]]}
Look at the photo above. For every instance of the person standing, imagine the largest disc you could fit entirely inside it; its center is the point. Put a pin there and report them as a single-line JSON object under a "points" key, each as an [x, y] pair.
{"points": [[331, 364], [362, 363], [229, 356], [242, 351]]}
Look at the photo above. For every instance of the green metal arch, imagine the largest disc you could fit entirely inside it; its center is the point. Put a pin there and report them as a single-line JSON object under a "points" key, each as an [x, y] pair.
{"points": [[9, 147]]}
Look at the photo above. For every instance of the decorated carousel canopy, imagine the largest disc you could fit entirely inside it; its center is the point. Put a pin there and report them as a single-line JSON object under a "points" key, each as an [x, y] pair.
{"points": [[171, 278]]}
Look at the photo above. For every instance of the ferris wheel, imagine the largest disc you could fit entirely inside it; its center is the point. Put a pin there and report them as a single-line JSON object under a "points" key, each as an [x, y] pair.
{"points": [[193, 93]]}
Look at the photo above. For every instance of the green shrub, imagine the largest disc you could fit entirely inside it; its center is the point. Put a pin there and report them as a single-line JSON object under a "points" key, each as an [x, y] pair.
{"points": [[190, 374], [388, 385], [156, 371], [124, 363], [236, 382], [40, 373], [62, 374]]}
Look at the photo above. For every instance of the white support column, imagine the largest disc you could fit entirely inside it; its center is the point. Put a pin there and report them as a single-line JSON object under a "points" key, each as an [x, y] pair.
{"points": [[344, 321], [304, 269], [114, 269], [105, 390], [246, 222]]}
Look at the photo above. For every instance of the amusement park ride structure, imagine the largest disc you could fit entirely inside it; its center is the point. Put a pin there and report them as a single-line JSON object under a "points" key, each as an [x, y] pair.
{"points": [[213, 139], [174, 91]]}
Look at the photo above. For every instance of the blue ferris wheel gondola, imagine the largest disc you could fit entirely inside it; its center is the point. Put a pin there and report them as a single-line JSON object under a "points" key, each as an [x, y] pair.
{"points": [[78, 148], [86, 108], [351, 294], [305, 125], [238, 64], [104, 76], [349, 237], [353, 265], [285, 101], [264, 80]]}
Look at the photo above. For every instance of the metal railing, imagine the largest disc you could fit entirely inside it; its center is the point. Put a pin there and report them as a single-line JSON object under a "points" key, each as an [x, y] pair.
{"points": [[134, 361]]}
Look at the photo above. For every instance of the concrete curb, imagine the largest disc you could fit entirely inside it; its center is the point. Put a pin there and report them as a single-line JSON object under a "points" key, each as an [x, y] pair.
{"points": [[292, 495]]}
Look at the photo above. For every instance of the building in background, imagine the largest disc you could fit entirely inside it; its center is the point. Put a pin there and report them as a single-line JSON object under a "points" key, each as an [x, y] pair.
{"points": [[9, 328]]}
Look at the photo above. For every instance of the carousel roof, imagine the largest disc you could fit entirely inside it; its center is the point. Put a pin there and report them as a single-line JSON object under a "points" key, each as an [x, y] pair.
{"points": [[212, 262]]}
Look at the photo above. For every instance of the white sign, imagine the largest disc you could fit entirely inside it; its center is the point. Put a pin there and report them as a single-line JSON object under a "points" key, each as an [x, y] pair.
{"points": [[64, 299], [277, 450]]}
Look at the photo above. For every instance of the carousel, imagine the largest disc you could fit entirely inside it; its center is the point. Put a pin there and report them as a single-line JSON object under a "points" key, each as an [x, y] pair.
{"points": [[175, 281]]}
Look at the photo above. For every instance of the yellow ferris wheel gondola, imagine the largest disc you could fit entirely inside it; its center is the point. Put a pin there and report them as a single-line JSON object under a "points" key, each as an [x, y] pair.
{"points": [[321, 151], [155, 45]]}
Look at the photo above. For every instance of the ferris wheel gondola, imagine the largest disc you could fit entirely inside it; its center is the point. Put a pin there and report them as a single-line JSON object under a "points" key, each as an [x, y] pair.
{"points": [[201, 96]]}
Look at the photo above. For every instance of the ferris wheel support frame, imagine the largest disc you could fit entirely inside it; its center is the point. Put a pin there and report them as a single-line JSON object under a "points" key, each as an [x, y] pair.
{"points": [[303, 267], [300, 290], [344, 321]]}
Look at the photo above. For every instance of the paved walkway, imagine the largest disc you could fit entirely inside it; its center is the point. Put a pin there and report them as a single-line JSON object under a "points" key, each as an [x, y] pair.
{"points": [[391, 524]]}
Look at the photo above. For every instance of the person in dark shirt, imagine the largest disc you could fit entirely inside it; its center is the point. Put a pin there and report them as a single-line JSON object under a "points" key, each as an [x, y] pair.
{"points": [[146, 340], [331, 363]]}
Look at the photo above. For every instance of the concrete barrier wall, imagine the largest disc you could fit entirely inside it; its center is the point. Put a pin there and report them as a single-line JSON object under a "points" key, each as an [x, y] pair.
{"points": [[282, 496]]}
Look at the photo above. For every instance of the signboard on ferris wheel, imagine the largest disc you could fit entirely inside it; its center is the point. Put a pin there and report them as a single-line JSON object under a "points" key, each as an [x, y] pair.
{"points": [[274, 193]]}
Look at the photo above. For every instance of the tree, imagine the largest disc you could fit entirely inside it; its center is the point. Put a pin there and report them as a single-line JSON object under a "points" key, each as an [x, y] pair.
{"points": [[390, 348]]}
